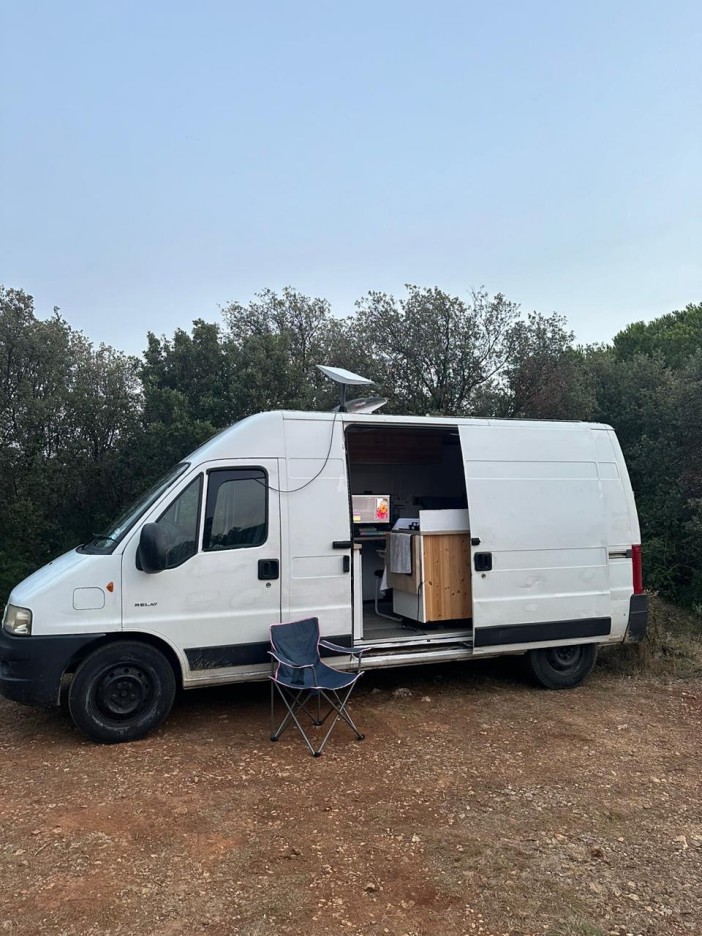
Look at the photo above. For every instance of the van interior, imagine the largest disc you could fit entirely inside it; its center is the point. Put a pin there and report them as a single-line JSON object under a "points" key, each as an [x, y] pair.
{"points": [[411, 470]]}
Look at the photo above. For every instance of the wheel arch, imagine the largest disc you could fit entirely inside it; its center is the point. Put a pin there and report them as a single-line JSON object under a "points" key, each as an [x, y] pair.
{"points": [[120, 637]]}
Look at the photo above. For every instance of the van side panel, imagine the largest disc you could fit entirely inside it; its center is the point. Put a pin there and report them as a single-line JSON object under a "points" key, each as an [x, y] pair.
{"points": [[536, 505], [318, 515]]}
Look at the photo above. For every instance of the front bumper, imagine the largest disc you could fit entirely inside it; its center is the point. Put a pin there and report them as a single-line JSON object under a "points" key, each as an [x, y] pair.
{"points": [[638, 619], [31, 667]]}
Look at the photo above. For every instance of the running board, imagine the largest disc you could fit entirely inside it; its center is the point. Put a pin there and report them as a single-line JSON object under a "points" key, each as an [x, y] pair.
{"points": [[415, 642], [415, 655]]}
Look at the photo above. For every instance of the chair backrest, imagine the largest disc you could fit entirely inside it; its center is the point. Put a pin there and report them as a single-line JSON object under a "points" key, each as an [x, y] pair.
{"points": [[297, 640]]}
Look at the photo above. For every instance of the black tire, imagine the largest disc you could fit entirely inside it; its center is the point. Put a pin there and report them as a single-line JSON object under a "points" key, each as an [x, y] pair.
{"points": [[562, 667], [121, 692]]}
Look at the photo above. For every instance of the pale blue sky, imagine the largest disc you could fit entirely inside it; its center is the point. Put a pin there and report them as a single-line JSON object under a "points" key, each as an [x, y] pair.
{"points": [[161, 158]]}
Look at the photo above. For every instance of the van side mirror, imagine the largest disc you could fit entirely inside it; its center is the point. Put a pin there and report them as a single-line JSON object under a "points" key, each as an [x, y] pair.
{"points": [[153, 549]]}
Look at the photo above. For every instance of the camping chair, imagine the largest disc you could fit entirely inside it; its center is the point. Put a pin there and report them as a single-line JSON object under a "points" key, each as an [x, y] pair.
{"points": [[300, 677]]}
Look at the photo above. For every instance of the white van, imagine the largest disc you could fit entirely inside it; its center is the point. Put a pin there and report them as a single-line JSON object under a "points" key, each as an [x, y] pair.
{"points": [[520, 537]]}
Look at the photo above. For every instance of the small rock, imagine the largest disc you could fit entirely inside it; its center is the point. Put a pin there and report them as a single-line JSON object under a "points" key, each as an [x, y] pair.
{"points": [[370, 887], [402, 693]]}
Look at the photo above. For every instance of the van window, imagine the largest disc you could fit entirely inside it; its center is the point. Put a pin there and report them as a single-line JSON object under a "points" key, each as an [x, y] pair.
{"points": [[180, 523], [236, 515]]}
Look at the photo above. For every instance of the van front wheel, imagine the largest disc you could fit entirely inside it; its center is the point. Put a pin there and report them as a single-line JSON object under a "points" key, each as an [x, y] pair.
{"points": [[121, 692], [562, 667]]}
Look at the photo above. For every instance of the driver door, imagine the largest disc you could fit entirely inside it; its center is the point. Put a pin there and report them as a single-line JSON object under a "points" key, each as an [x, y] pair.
{"points": [[220, 592]]}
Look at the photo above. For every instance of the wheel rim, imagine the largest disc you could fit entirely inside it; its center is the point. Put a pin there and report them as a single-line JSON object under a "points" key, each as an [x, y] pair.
{"points": [[565, 659], [123, 692]]}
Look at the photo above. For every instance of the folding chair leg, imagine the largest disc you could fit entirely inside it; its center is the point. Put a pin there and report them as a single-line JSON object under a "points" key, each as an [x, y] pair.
{"points": [[341, 714], [337, 708], [293, 708]]}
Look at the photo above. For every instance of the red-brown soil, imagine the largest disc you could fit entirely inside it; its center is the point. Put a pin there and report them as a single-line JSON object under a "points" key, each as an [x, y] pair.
{"points": [[477, 804]]}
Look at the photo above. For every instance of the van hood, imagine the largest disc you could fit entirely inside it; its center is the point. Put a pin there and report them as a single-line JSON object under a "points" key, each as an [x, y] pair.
{"points": [[34, 584]]}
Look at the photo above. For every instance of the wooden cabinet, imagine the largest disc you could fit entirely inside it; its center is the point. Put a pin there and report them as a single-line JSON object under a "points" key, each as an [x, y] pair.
{"points": [[439, 586]]}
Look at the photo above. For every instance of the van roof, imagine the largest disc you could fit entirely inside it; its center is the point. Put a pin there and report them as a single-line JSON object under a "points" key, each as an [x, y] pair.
{"points": [[261, 435], [371, 418]]}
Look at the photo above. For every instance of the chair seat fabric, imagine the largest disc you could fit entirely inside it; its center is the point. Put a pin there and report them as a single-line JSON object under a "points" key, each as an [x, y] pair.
{"points": [[317, 676]]}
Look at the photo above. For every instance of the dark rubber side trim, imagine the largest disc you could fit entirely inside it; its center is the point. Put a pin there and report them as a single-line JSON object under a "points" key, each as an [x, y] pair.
{"points": [[638, 619], [204, 658], [31, 667], [536, 633]]}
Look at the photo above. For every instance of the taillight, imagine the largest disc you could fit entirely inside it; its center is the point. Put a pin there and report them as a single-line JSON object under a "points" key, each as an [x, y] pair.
{"points": [[637, 569]]}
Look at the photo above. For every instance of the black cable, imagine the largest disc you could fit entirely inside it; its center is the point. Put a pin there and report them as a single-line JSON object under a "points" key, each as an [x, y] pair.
{"points": [[307, 483]]}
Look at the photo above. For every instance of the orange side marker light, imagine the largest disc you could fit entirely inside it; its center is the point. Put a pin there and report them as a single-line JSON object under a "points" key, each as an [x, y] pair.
{"points": [[110, 586]]}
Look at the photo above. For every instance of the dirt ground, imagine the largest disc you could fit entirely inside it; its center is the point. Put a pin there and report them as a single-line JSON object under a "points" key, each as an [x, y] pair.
{"points": [[477, 804]]}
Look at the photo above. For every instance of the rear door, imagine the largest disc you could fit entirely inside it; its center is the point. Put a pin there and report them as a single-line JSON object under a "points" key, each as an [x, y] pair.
{"points": [[622, 525], [539, 553]]}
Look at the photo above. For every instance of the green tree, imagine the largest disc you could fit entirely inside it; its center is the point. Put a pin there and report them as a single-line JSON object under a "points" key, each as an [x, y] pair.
{"points": [[544, 376], [673, 337], [188, 395], [65, 409], [649, 389], [279, 340], [433, 353]]}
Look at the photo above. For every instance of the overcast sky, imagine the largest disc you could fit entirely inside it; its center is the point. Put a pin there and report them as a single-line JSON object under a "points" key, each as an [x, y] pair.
{"points": [[161, 158]]}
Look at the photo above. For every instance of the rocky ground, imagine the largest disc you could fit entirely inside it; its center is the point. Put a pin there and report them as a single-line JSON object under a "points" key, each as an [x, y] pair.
{"points": [[476, 804]]}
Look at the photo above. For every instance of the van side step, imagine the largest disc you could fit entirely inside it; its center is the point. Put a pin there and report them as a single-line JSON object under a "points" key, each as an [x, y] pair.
{"points": [[417, 642], [379, 656]]}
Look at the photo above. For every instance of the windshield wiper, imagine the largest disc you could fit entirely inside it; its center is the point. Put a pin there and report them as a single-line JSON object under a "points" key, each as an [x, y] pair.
{"points": [[101, 536]]}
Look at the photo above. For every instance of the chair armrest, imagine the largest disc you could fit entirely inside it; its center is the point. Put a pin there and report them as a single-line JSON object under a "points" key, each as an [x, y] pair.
{"points": [[355, 651], [285, 662], [352, 651]]}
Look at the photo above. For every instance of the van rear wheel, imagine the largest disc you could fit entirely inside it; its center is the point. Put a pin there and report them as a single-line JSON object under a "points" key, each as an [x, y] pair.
{"points": [[562, 667], [121, 692]]}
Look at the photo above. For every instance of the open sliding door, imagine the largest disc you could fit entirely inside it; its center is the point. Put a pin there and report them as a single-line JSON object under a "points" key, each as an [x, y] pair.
{"points": [[538, 555]]}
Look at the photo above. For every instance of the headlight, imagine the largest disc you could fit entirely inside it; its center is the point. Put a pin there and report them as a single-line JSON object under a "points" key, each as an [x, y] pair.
{"points": [[17, 621]]}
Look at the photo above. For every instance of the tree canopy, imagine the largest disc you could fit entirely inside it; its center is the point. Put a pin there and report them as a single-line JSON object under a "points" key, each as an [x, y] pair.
{"points": [[83, 429]]}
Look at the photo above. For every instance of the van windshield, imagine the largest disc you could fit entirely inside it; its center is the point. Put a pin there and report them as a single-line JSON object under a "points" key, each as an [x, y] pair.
{"points": [[106, 541]]}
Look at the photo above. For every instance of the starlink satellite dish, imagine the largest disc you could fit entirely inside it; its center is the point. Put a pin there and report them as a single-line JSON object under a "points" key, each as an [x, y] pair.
{"points": [[341, 376], [346, 379]]}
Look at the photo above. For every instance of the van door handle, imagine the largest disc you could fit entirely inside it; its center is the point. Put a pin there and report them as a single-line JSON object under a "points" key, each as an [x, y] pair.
{"points": [[268, 569], [483, 562], [341, 544]]}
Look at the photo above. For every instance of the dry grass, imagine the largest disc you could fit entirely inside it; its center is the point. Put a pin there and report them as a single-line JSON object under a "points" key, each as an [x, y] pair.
{"points": [[672, 647]]}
